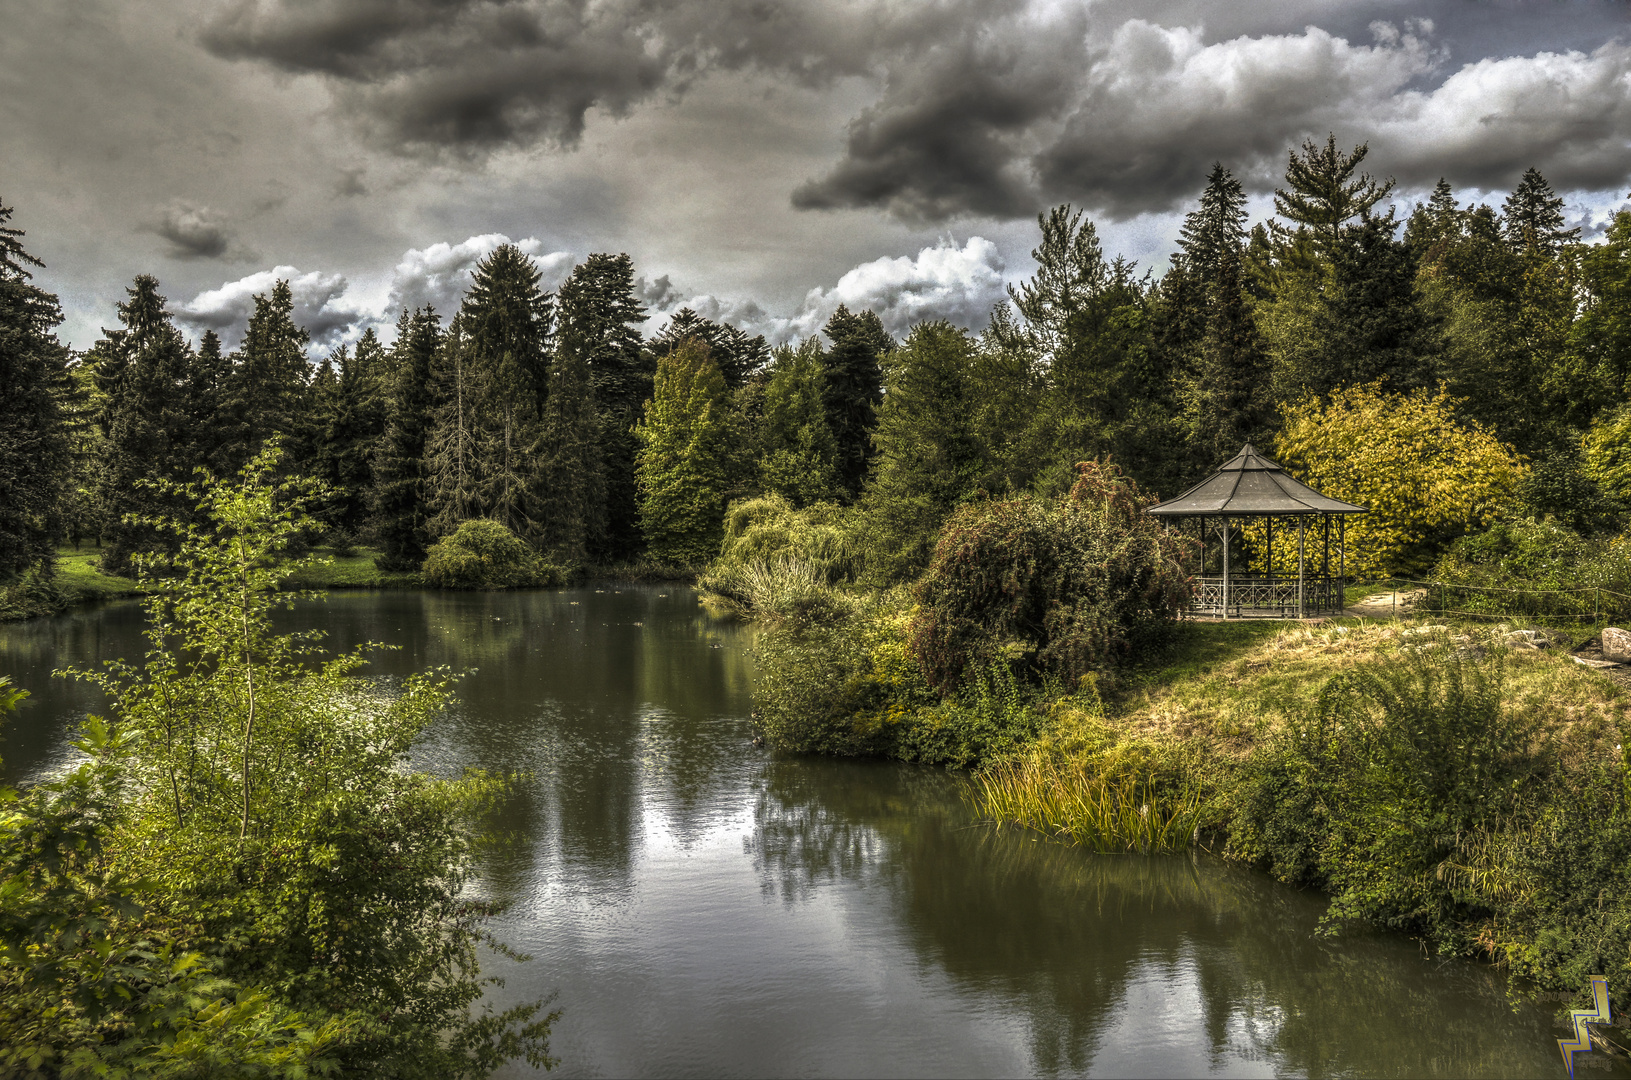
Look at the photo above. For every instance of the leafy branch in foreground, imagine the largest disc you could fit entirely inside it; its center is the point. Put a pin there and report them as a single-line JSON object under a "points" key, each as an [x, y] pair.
{"points": [[258, 790]]}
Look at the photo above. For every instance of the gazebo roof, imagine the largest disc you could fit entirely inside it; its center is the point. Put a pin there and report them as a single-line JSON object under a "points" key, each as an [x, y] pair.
{"points": [[1250, 485]]}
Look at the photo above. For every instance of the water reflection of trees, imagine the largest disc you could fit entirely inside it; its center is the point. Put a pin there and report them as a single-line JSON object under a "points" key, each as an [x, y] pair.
{"points": [[1061, 935]]}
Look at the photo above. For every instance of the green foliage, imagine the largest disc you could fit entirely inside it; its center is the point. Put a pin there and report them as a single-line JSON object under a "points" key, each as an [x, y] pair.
{"points": [[1538, 568], [928, 455], [482, 554], [34, 447], [1425, 477], [401, 509], [690, 457], [262, 797], [852, 388], [570, 484], [267, 394], [1066, 587], [797, 452], [1323, 194]]}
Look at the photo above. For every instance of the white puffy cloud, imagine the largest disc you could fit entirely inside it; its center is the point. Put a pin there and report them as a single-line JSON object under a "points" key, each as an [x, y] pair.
{"points": [[958, 284], [438, 275], [320, 305]]}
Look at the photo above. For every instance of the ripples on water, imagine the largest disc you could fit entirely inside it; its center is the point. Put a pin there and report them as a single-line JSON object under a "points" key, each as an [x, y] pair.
{"points": [[706, 908]]}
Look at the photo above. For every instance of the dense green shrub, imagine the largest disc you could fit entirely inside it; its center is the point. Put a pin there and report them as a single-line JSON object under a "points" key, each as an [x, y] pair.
{"points": [[1423, 801], [483, 554], [1391, 782], [1063, 587], [849, 687], [1536, 568], [780, 562]]}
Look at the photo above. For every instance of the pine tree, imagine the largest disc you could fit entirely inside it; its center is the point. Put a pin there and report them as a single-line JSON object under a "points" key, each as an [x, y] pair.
{"points": [[453, 450], [141, 371], [572, 493], [1070, 268], [34, 448], [399, 463], [797, 450], [1532, 217], [507, 322], [599, 306], [852, 388], [1217, 229], [207, 385], [268, 395], [690, 462], [1322, 191]]}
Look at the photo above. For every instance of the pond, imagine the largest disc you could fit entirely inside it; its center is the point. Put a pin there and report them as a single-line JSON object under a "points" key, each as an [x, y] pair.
{"points": [[702, 906]]}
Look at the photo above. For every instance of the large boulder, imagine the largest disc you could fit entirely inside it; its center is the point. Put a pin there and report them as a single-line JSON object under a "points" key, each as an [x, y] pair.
{"points": [[1617, 645]]}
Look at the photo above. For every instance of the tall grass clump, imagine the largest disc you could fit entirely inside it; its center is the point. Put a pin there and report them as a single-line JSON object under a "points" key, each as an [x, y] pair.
{"points": [[782, 563], [1083, 803]]}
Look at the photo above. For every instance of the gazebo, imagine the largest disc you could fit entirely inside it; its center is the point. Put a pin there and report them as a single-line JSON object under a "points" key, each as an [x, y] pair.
{"points": [[1249, 487]]}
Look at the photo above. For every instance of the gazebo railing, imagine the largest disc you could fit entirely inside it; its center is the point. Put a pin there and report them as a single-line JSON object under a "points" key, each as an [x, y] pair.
{"points": [[1262, 595]]}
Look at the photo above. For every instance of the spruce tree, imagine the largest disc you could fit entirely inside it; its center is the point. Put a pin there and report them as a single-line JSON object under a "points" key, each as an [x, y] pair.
{"points": [[1532, 217], [1231, 402], [141, 371], [598, 305], [399, 504], [797, 452], [1217, 230], [206, 390], [268, 393], [852, 388], [1433, 225], [1322, 192], [571, 512], [353, 424], [690, 462], [1070, 268], [454, 492], [929, 456], [507, 322], [1372, 326], [35, 455]]}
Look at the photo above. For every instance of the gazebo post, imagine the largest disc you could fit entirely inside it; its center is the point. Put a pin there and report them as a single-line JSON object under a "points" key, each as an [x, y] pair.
{"points": [[1302, 527], [1225, 568], [1342, 559], [1325, 555]]}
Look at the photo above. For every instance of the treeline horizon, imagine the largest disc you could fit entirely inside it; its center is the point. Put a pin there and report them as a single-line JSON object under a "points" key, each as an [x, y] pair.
{"points": [[551, 414]]}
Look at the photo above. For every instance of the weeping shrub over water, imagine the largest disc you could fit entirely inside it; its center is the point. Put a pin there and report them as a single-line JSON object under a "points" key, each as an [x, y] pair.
{"points": [[1065, 587]]}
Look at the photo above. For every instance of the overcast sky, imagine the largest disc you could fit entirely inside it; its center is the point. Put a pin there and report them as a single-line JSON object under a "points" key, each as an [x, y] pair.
{"points": [[761, 160]]}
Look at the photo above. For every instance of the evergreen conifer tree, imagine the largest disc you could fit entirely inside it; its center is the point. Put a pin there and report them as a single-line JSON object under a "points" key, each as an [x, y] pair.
{"points": [[571, 514], [740, 358], [929, 456], [1532, 217], [690, 462], [1322, 192], [141, 371], [1070, 268], [1372, 326], [34, 448], [1231, 404], [208, 382], [797, 451], [852, 388], [353, 424], [598, 305], [1218, 228], [399, 464], [268, 394], [507, 322], [453, 450]]}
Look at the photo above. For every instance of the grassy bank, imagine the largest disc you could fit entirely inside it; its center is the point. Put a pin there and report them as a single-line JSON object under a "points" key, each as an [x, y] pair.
{"points": [[1442, 780]]}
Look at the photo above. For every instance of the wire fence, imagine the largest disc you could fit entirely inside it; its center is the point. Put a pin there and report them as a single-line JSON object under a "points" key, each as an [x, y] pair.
{"points": [[1584, 605]]}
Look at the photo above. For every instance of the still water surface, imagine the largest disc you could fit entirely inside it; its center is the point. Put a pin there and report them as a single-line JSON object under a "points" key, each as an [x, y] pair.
{"points": [[703, 907]]}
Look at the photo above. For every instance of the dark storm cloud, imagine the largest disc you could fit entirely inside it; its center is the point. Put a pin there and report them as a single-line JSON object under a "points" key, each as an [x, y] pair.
{"points": [[194, 232], [995, 109], [468, 76]]}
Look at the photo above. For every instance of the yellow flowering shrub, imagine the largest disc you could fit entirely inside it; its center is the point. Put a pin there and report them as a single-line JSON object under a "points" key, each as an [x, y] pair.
{"points": [[1425, 475]]}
